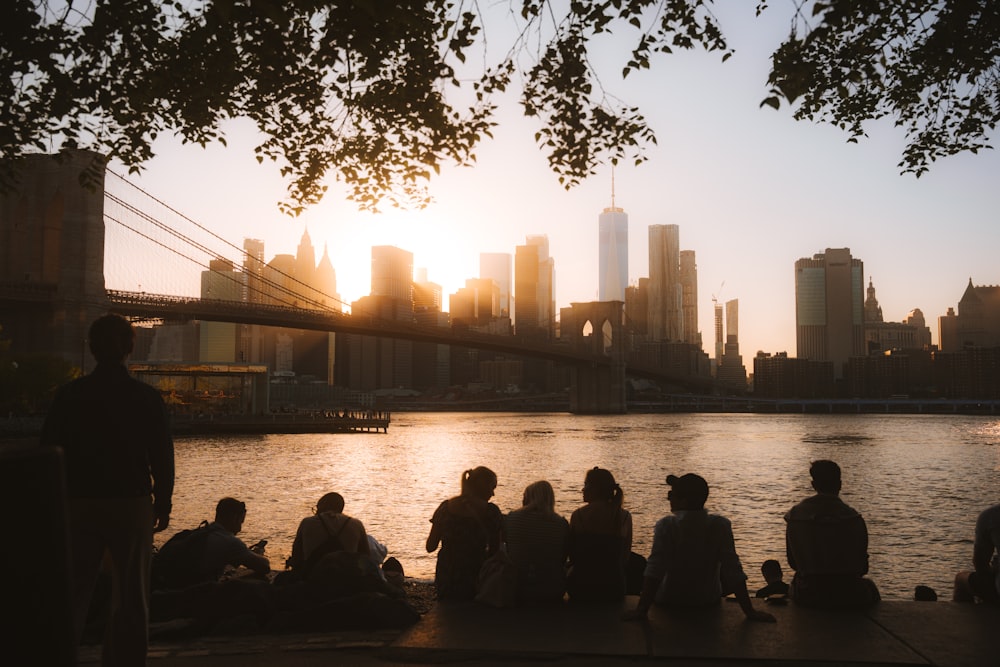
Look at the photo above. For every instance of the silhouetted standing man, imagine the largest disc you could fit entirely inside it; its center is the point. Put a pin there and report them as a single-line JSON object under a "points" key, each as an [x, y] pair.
{"points": [[827, 546], [120, 476]]}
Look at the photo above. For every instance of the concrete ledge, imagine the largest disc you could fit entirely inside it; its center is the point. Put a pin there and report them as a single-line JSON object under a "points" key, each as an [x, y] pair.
{"points": [[559, 630], [808, 635], [893, 634]]}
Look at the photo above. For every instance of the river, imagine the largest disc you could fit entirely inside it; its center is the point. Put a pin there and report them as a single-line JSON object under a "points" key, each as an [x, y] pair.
{"points": [[919, 480]]}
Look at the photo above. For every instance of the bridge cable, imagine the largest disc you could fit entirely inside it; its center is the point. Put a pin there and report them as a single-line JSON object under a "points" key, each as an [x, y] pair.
{"points": [[242, 251]]}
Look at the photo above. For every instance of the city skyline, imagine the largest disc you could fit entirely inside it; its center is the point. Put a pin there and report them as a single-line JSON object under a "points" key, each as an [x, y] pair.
{"points": [[751, 189]]}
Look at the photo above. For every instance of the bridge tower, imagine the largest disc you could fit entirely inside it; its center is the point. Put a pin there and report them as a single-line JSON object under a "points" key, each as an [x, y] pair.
{"points": [[52, 254], [598, 328]]}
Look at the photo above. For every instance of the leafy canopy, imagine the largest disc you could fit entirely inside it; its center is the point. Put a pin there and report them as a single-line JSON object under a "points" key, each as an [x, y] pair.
{"points": [[932, 65], [381, 93]]}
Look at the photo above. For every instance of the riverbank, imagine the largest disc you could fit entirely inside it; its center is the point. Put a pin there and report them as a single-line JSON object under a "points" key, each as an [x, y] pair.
{"points": [[314, 422]]}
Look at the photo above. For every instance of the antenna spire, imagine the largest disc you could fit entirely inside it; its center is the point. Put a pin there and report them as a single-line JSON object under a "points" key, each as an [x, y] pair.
{"points": [[612, 187]]}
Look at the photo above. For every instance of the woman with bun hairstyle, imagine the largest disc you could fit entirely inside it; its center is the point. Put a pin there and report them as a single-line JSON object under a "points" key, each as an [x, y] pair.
{"points": [[467, 528], [600, 541]]}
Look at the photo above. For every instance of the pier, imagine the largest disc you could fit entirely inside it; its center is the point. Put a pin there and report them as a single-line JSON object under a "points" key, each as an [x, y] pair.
{"points": [[284, 423]]}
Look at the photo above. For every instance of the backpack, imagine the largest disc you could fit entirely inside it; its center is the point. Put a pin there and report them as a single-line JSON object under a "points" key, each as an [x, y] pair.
{"points": [[177, 564], [331, 545]]}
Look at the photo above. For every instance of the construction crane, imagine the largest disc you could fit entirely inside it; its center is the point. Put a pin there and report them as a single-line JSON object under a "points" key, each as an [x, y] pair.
{"points": [[715, 300]]}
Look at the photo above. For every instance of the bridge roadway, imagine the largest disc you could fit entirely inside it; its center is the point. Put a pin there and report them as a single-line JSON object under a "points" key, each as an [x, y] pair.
{"points": [[178, 308]]}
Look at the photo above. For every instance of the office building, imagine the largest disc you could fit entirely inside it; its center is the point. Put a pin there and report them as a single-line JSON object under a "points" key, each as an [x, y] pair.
{"points": [[324, 284], [475, 305], [427, 296], [637, 310], [218, 341], [253, 270], [730, 370], [496, 266], [612, 253], [665, 290], [829, 308], [881, 336], [720, 339], [392, 273], [689, 298], [781, 376], [977, 323], [386, 363], [534, 283]]}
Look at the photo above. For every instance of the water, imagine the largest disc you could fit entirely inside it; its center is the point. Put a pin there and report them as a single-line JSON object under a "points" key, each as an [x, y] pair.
{"points": [[918, 480]]}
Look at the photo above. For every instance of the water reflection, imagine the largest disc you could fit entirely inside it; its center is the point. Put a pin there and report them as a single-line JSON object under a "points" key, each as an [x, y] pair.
{"points": [[920, 481]]}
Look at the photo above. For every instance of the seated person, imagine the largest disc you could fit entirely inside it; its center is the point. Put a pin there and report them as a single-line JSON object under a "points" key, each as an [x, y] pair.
{"points": [[776, 585], [983, 583], [537, 541], [223, 548], [329, 530], [693, 562], [600, 541], [468, 529], [827, 546]]}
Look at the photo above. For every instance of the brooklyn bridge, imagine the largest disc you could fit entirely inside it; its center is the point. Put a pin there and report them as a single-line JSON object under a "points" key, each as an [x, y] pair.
{"points": [[64, 226]]}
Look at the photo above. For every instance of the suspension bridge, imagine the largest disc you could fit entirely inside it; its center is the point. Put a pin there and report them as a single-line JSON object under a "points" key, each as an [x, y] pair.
{"points": [[72, 253]]}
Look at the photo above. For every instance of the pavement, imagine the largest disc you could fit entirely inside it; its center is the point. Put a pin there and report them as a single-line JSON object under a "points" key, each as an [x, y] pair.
{"points": [[943, 634]]}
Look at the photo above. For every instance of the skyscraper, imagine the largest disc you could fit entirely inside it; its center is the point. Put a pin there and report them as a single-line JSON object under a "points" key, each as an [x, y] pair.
{"points": [[218, 340], [392, 273], [613, 253], [534, 288], [496, 266], [689, 298], [730, 369], [665, 291], [305, 266], [325, 283], [253, 270], [427, 296], [720, 340], [525, 289], [829, 307]]}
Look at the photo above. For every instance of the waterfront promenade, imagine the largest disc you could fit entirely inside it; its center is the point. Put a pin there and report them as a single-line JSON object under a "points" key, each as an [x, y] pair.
{"points": [[895, 633]]}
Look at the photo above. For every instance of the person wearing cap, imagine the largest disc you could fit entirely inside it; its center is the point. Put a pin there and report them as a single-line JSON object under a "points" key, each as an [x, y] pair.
{"points": [[827, 545], [693, 562]]}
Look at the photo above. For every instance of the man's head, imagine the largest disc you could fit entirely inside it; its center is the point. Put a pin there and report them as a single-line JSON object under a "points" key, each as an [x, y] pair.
{"points": [[330, 502], [771, 569], [111, 339], [687, 492], [231, 513], [825, 476]]}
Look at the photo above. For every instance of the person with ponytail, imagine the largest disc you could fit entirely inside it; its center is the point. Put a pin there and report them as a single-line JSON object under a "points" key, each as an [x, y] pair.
{"points": [[600, 541], [468, 530]]}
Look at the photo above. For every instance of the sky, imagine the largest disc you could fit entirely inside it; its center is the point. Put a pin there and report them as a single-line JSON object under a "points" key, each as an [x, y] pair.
{"points": [[752, 190]]}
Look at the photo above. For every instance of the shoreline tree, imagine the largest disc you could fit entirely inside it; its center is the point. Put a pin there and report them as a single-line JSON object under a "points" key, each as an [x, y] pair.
{"points": [[366, 91]]}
